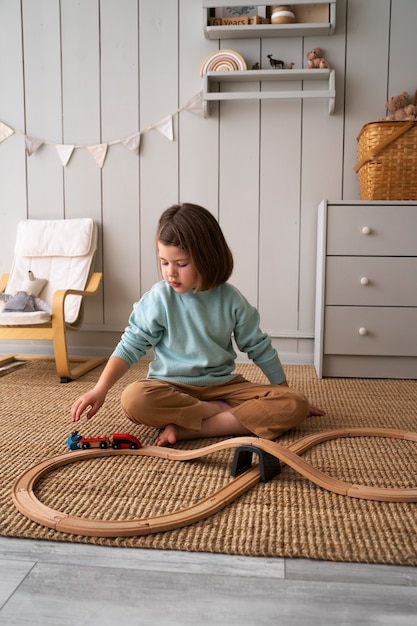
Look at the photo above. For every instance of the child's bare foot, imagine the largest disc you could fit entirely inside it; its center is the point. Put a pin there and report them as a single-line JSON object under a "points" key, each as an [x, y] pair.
{"points": [[168, 436], [217, 422]]}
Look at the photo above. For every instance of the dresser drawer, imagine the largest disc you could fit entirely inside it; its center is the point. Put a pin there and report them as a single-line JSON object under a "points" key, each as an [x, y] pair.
{"points": [[370, 330], [371, 230], [371, 281]]}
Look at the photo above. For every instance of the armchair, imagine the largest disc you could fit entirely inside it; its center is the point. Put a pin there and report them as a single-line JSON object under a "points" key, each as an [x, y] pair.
{"points": [[59, 256]]}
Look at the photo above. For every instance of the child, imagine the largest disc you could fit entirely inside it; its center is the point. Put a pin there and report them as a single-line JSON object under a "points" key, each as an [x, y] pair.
{"points": [[188, 319]]}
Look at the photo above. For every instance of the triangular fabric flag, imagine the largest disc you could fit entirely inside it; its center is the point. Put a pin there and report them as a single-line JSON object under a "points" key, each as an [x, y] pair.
{"points": [[32, 144], [5, 131], [64, 152], [99, 152], [132, 142], [165, 127], [195, 105]]}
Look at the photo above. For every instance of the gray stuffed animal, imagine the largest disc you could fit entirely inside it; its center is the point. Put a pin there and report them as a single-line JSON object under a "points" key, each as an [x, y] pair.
{"points": [[25, 300]]}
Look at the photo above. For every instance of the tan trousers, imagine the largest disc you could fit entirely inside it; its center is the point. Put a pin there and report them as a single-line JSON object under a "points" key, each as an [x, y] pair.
{"points": [[265, 410]]}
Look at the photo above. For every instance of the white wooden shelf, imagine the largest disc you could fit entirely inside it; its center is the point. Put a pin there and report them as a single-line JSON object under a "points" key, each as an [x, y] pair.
{"points": [[214, 81], [266, 30]]}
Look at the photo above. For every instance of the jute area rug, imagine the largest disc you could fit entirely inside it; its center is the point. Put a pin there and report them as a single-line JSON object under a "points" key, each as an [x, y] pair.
{"points": [[286, 517]]}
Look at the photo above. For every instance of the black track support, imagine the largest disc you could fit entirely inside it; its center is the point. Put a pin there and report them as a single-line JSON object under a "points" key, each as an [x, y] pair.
{"points": [[269, 465]]}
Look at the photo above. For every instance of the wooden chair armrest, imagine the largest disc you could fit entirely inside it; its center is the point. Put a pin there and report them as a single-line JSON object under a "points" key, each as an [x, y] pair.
{"points": [[3, 281], [59, 296], [93, 284]]}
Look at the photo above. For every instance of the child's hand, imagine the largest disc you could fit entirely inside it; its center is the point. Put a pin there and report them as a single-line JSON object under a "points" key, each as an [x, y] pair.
{"points": [[92, 400]]}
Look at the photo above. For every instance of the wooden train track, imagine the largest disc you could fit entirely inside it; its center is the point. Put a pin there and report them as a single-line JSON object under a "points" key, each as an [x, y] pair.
{"points": [[27, 503]]}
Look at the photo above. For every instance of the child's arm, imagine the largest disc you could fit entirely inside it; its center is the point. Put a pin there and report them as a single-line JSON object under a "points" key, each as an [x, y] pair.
{"points": [[94, 399]]}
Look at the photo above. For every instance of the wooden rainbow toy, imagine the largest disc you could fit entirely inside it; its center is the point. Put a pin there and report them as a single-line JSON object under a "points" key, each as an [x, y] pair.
{"points": [[223, 61]]}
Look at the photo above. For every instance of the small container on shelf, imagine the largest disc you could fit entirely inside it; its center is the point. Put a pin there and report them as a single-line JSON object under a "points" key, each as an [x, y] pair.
{"points": [[282, 14]]}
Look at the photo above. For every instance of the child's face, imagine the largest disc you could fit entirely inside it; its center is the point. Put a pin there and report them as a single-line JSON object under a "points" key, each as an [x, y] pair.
{"points": [[176, 268]]}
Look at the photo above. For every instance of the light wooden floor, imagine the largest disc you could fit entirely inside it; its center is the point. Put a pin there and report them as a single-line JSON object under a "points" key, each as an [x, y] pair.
{"points": [[49, 584]]}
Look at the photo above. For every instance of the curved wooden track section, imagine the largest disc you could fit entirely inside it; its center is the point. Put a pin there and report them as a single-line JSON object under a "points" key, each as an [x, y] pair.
{"points": [[27, 503]]}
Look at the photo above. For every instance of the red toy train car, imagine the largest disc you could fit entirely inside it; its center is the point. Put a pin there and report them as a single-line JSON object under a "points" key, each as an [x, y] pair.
{"points": [[117, 441]]}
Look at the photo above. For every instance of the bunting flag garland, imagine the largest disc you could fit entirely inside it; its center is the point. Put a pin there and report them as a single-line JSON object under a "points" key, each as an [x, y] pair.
{"points": [[165, 127], [99, 151], [5, 131], [195, 105], [32, 144], [64, 152], [132, 142]]}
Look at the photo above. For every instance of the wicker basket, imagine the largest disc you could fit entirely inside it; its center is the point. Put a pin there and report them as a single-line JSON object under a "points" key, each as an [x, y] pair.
{"points": [[387, 161]]}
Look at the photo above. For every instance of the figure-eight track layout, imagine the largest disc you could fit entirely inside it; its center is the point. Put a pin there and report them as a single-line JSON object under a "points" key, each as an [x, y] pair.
{"points": [[246, 475]]}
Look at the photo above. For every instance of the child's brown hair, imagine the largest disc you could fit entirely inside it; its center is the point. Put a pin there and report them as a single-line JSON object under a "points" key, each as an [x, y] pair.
{"points": [[194, 229]]}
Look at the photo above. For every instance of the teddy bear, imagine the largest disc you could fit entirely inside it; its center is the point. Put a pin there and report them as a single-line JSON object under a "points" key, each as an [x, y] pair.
{"points": [[315, 60], [400, 108]]}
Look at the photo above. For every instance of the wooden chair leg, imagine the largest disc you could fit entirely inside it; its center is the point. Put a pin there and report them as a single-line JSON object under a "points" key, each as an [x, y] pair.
{"points": [[63, 360], [85, 364]]}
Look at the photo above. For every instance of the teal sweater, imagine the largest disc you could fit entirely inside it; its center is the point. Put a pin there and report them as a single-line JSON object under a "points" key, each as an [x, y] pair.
{"points": [[191, 335]]}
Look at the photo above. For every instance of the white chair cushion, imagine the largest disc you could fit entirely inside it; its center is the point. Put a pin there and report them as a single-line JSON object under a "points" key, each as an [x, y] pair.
{"points": [[42, 246], [24, 319], [67, 238]]}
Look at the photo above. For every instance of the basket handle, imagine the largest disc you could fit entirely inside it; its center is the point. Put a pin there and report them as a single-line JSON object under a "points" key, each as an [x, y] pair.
{"points": [[382, 144]]}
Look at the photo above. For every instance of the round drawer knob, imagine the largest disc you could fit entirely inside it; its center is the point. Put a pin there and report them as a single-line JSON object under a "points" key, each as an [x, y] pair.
{"points": [[363, 331], [366, 230], [364, 280]]}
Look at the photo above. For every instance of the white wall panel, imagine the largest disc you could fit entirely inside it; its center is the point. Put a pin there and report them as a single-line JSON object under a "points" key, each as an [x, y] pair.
{"points": [[238, 164], [120, 118], [81, 115], [403, 48], [43, 101], [322, 162], [280, 175], [367, 60], [158, 54], [239, 191], [197, 137], [12, 156]]}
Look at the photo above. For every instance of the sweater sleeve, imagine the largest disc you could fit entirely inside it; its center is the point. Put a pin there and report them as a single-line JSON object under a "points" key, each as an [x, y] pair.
{"points": [[256, 344], [142, 333]]}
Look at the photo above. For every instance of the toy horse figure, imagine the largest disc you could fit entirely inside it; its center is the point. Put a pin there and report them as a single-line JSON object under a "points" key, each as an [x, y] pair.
{"points": [[276, 64]]}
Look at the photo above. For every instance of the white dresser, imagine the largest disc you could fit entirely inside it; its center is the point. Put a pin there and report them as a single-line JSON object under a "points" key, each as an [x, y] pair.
{"points": [[366, 290]]}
